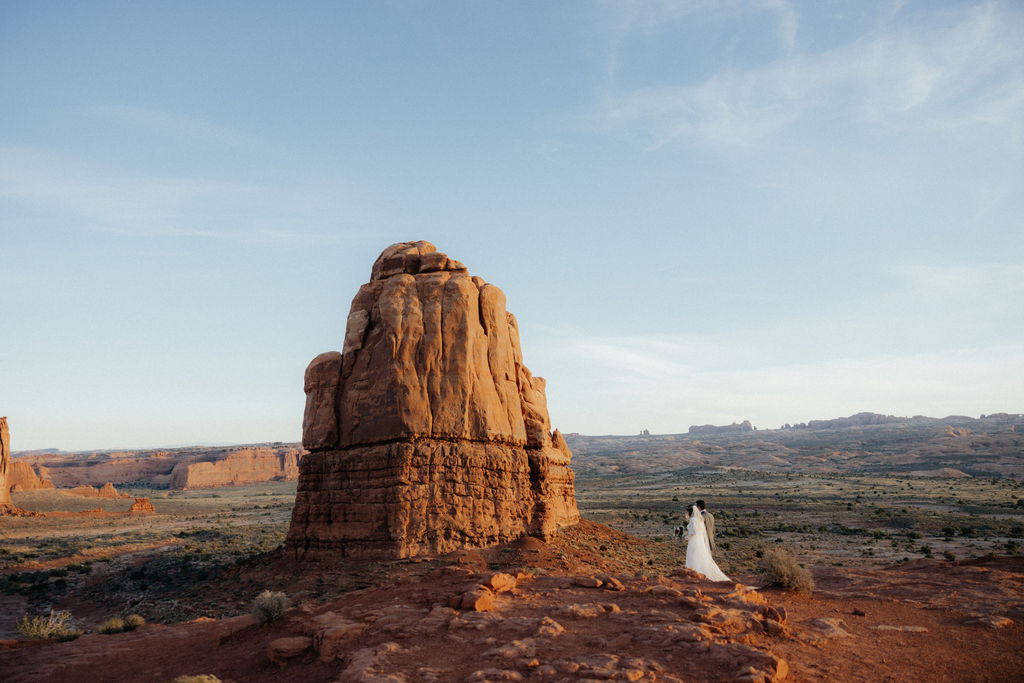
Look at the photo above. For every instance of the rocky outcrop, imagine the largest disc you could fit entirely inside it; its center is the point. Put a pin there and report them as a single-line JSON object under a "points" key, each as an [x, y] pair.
{"points": [[5, 463], [105, 491], [705, 430], [141, 506], [241, 466], [22, 476], [427, 432]]}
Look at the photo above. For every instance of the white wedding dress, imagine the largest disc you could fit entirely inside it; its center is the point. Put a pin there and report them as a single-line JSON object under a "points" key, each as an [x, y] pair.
{"points": [[698, 548]]}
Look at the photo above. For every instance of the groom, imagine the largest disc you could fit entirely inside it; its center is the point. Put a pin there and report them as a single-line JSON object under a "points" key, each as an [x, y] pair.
{"points": [[709, 524]]}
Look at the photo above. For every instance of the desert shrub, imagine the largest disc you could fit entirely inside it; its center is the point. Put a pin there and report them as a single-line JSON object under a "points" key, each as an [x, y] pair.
{"points": [[200, 678], [133, 621], [57, 625], [269, 606], [778, 567], [112, 625], [949, 556]]}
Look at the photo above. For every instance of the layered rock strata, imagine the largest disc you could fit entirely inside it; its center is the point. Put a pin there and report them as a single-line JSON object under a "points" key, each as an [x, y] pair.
{"points": [[241, 466], [427, 433]]}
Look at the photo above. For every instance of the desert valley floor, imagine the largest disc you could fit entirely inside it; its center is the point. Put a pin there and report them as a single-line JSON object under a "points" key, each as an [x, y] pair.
{"points": [[912, 535]]}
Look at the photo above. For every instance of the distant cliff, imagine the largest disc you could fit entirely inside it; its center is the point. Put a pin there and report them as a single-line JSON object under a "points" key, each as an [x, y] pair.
{"points": [[698, 430], [243, 466], [189, 467]]}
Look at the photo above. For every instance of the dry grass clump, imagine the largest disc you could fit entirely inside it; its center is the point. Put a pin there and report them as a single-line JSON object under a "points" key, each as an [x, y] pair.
{"points": [[270, 606], [778, 567], [111, 625], [133, 621], [200, 678], [57, 625]]}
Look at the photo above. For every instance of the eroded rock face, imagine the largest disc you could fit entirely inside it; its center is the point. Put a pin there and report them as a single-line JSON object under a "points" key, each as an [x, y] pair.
{"points": [[22, 476], [141, 506], [238, 467], [427, 432], [5, 462]]}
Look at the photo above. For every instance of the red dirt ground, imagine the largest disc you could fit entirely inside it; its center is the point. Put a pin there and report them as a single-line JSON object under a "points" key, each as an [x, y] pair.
{"points": [[660, 627]]}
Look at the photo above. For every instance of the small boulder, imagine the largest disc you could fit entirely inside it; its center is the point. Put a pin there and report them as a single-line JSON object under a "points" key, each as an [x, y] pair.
{"points": [[280, 650], [499, 582], [477, 600]]}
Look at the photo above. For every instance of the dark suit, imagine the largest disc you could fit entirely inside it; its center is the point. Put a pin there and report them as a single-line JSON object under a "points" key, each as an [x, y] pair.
{"points": [[709, 525]]}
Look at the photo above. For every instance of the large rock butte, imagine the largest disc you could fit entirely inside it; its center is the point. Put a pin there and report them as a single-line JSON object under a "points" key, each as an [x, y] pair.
{"points": [[426, 433], [5, 463]]}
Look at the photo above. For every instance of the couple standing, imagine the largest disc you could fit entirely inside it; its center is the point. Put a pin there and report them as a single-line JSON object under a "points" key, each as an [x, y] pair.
{"points": [[700, 539]]}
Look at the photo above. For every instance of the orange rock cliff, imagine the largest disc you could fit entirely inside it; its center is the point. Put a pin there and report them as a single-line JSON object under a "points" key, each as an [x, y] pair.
{"points": [[427, 433]]}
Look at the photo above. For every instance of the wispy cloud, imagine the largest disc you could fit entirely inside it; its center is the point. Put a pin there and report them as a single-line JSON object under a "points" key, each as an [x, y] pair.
{"points": [[963, 381], [988, 281], [937, 72], [170, 124], [89, 197]]}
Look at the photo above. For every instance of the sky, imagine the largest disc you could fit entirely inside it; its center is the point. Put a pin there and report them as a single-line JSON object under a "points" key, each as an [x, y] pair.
{"points": [[699, 212]]}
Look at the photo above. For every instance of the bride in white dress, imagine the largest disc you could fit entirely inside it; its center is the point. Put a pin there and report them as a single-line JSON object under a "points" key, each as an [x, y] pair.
{"points": [[698, 548]]}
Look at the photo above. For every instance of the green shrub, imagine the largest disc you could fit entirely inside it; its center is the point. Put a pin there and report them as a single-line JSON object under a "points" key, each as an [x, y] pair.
{"points": [[269, 606], [112, 625], [778, 567], [133, 621], [57, 625]]}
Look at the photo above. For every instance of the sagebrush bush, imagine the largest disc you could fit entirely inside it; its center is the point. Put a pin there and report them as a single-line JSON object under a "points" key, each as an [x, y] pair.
{"points": [[57, 625], [778, 567], [111, 625], [133, 621], [269, 606]]}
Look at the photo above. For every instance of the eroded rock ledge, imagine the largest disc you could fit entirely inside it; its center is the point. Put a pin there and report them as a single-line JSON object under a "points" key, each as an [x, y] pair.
{"points": [[427, 433]]}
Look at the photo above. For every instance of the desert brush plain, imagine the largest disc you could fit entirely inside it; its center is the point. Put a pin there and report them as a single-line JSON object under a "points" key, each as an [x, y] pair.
{"points": [[911, 529]]}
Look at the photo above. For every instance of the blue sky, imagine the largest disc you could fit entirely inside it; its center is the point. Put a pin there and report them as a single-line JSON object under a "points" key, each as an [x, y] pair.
{"points": [[700, 212]]}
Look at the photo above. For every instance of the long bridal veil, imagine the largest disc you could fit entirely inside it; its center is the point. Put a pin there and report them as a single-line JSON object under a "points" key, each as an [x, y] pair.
{"points": [[698, 548]]}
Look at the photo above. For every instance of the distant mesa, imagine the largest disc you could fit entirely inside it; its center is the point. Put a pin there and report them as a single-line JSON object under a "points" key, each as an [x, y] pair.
{"points": [[704, 430], [238, 467], [427, 432], [180, 468]]}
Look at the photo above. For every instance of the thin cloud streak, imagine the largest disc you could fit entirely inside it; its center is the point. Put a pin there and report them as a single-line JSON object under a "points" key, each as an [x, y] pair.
{"points": [[89, 197], [941, 77], [170, 124]]}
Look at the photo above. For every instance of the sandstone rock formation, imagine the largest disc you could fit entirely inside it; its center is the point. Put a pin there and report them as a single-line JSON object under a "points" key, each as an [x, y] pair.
{"points": [[22, 476], [106, 491], [427, 433], [141, 506], [5, 462], [240, 466]]}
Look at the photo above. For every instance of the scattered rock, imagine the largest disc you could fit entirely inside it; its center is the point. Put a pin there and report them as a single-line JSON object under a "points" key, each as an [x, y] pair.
{"points": [[586, 581], [611, 583], [500, 582], [905, 629], [830, 627], [990, 621], [477, 600], [280, 650], [495, 675]]}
